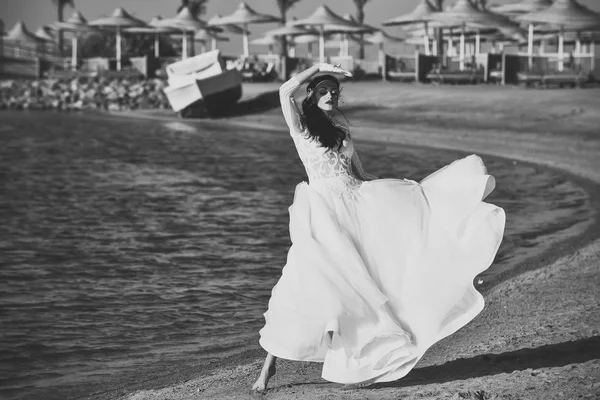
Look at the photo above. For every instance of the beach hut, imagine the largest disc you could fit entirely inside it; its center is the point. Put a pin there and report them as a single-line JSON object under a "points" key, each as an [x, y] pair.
{"points": [[244, 15], [563, 16], [119, 20], [326, 21], [75, 24]]}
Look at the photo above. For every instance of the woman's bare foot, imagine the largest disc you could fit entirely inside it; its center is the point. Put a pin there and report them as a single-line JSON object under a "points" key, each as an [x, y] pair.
{"points": [[266, 373]]}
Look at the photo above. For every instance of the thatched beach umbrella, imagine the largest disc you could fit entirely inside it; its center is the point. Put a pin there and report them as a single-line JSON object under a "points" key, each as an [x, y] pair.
{"points": [[244, 15], [326, 21], [290, 32], [463, 14], [45, 34], [75, 24], [267, 40], [359, 29], [205, 36], [154, 30], [309, 39], [420, 15], [522, 7], [20, 35], [119, 20], [381, 39], [565, 16], [235, 29], [185, 22]]}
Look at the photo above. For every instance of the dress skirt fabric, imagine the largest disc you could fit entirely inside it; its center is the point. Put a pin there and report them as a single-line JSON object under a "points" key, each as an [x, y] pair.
{"points": [[377, 275]]}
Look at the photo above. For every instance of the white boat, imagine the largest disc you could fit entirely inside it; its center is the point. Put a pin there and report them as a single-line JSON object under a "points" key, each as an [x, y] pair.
{"points": [[202, 85]]}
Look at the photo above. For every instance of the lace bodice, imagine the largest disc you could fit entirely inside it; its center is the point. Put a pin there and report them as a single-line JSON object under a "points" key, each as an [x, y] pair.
{"points": [[337, 170]]}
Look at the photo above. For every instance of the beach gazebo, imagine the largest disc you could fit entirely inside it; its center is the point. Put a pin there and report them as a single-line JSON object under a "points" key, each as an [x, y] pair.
{"points": [[563, 16], [75, 24], [422, 14], [152, 29], [326, 21], [118, 21], [243, 16]]}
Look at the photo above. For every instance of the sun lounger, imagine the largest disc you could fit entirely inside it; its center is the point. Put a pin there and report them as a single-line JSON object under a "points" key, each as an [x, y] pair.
{"points": [[456, 77], [404, 76]]}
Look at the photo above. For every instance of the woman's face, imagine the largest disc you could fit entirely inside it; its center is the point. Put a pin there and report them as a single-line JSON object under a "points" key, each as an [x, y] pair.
{"points": [[327, 95]]}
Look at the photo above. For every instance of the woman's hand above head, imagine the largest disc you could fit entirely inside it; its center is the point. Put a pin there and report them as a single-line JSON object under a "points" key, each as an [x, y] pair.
{"points": [[334, 69]]}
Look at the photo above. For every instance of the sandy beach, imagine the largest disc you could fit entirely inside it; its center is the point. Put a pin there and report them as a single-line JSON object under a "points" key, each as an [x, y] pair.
{"points": [[539, 334]]}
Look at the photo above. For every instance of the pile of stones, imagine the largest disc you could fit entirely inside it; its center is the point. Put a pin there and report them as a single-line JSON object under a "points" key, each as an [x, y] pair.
{"points": [[83, 94]]}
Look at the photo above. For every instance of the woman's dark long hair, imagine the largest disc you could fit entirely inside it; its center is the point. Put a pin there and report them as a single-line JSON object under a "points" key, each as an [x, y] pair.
{"points": [[320, 126]]}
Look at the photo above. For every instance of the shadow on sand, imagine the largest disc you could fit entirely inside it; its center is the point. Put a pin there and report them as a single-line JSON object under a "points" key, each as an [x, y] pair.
{"points": [[256, 105], [555, 355]]}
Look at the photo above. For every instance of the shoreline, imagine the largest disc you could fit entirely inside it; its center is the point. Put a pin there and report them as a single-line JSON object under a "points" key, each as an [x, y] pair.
{"points": [[249, 362]]}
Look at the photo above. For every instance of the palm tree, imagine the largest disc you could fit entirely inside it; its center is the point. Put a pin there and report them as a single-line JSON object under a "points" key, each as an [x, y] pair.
{"points": [[196, 7], [360, 18], [284, 6], [60, 8]]}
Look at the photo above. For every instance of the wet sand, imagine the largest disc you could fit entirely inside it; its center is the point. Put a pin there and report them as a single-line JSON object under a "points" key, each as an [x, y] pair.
{"points": [[539, 335]]}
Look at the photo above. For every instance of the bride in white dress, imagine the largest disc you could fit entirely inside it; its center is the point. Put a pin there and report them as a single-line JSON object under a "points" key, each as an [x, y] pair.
{"points": [[379, 269]]}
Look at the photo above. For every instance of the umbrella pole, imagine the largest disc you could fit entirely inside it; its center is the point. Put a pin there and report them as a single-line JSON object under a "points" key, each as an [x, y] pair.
{"points": [[321, 45], [426, 39], [184, 45], [382, 62], [530, 46], [561, 49], [593, 55], [310, 54], [462, 48], [74, 52], [118, 48], [346, 45], [213, 43], [245, 39], [156, 45], [192, 43], [477, 43]]}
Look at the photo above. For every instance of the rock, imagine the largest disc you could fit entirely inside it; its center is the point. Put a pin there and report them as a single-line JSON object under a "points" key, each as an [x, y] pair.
{"points": [[83, 93]]}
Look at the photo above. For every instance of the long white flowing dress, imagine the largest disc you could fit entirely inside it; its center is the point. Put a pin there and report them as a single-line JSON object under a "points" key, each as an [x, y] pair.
{"points": [[379, 270]]}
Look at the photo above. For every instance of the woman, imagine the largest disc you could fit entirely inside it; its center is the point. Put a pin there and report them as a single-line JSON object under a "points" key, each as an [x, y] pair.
{"points": [[379, 269]]}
